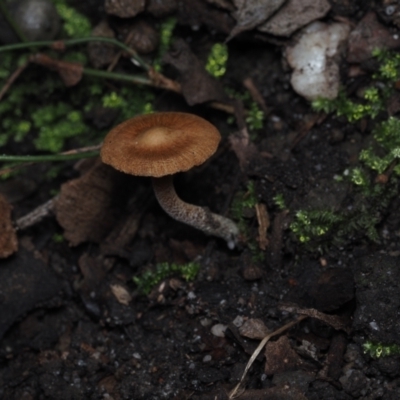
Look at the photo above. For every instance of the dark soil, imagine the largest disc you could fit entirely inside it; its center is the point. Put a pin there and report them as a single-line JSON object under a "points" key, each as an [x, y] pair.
{"points": [[67, 335]]}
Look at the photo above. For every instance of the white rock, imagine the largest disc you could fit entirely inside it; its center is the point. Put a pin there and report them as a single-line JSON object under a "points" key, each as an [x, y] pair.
{"points": [[315, 60]]}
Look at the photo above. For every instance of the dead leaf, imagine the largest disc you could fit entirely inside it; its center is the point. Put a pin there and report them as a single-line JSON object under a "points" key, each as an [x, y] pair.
{"points": [[87, 206], [197, 85], [251, 13], [70, 72], [124, 8], [293, 15], [8, 237]]}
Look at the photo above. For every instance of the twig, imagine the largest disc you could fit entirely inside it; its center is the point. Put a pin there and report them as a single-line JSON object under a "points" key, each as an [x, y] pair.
{"points": [[36, 215], [12, 78], [234, 393], [49, 157], [61, 44]]}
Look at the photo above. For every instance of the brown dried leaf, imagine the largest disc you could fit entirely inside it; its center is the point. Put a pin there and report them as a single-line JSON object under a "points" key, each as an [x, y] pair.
{"points": [[251, 13], [124, 8], [293, 15], [254, 328], [85, 207], [8, 237], [70, 72], [197, 85]]}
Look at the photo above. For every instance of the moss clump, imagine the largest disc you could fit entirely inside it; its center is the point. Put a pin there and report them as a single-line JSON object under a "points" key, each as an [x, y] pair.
{"points": [[166, 31], [242, 209], [75, 25], [377, 350], [146, 282], [217, 60], [55, 124]]}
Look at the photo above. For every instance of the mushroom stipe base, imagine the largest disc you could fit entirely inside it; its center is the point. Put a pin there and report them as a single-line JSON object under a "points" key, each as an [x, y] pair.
{"points": [[198, 217]]}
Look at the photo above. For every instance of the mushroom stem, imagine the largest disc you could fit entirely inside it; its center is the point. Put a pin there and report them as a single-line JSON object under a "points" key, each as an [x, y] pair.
{"points": [[199, 217]]}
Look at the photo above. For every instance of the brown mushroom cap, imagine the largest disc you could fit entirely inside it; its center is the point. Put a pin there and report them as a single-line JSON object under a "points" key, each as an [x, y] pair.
{"points": [[160, 144]]}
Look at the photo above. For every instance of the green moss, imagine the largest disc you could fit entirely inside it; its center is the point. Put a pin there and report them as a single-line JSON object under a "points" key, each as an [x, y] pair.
{"points": [[244, 204], [279, 201], [149, 279], [75, 24], [166, 31], [217, 60], [55, 124], [377, 350]]}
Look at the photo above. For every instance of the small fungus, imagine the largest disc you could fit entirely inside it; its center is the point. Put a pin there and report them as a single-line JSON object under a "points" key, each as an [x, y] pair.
{"points": [[160, 145]]}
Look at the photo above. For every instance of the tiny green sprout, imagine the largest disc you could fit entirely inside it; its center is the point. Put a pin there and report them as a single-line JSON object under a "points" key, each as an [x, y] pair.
{"points": [[358, 177], [149, 279], [279, 201], [217, 59], [308, 225], [255, 117], [58, 238], [377, 350], [113, 100]]}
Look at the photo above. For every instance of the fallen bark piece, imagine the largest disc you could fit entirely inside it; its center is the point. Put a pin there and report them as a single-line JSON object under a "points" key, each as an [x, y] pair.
{"points": [[8, 237], [293, 15]]}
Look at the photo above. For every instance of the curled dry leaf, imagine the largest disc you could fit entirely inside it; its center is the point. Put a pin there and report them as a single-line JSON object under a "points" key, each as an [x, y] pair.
{"points": [[124, 8], [8, 237], [293, 15]]}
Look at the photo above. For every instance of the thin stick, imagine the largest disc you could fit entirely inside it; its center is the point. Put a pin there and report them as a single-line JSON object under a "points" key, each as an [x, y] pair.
{"points": [[12, 78], [36, 215], [234, 393], [49, 157], [61, 44]]}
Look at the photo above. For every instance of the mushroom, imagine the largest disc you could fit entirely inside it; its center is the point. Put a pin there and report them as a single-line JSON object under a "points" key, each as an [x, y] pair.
{"points": [[159, 145]]}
